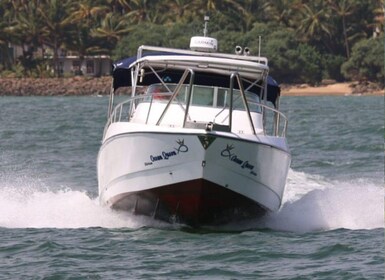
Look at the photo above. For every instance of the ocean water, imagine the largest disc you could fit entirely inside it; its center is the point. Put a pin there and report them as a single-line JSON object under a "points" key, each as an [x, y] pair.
{"points": [[331, 224]]}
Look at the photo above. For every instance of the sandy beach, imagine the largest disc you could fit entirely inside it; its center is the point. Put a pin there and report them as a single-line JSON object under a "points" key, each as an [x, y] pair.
{"points": [[329, 90]]}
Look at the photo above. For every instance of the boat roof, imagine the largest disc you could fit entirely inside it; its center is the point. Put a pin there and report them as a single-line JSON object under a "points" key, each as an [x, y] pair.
{"points": [[211, 69]]}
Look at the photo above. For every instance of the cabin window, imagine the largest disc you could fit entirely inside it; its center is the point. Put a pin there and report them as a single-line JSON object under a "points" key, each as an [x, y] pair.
{"points": [[160, 92], [205, 96], [222, 97], [223, 100], [202, 96], [253, 101]]}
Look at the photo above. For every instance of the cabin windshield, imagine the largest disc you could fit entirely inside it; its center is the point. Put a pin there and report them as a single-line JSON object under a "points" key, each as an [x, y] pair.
{"points": [[205, 96]]}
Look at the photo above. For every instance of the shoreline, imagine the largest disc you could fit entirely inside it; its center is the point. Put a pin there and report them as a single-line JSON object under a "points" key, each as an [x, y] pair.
{"points": [[74, 86], [80, 86], [332, 89]]}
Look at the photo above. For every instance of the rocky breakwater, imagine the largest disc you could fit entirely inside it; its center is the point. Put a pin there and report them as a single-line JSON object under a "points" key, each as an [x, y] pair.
{"points": [[55, 86]]}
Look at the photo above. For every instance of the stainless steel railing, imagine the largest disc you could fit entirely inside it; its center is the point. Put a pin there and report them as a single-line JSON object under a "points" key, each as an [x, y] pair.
{"points": [[275, 121]]}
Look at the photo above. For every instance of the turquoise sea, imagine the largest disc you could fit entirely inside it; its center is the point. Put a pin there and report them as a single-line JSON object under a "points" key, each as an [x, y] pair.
{"points": [[331, 224]]}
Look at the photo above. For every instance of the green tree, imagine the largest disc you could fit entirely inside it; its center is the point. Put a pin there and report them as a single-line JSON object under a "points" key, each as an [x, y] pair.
{"points": [[57, 24], [85, 16], [280, 11], [343, 8], [313, 24], [112, 28], [309, 29], [292, 61], [178, 9], [143, 34], [26, 29], [5, 36], [141, 11], [367, 61]]}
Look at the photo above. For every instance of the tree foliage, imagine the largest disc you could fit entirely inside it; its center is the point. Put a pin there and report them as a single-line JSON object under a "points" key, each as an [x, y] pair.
{"points": [[305, 40], [367, 61]]}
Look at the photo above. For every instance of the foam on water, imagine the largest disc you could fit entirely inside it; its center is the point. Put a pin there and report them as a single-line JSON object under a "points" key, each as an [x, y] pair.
{"points": [[310, 203], [313, 203], [32, 208], [29, 203]]}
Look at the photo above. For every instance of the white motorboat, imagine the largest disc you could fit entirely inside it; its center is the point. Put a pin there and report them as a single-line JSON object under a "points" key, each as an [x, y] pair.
{"points": [[200, 140]]}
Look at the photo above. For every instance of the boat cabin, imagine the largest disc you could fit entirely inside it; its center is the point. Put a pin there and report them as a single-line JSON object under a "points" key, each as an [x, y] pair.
{"points": [[199, 90], [209, 106]]}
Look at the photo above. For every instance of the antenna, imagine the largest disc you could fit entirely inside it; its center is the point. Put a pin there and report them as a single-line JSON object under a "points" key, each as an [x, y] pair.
{"points": [[259, 46], [206, 19]]}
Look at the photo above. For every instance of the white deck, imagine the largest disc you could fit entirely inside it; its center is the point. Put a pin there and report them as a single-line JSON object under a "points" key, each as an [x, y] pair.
{"points": [[197, 114]]}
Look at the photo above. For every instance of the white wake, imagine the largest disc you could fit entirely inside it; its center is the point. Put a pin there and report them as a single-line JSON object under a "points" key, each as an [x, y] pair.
{"points": [[311, 203]]}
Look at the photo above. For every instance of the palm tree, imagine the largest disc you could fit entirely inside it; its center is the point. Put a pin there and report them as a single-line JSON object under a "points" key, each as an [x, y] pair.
{"points": [[179, 8], [243, 13], [343, 8], [86, 11], [57, 24], [85, 17], [314, 22], [280, 11], [26, 29], [138, 11], [5, 57], [111, 29], [118, 6], [379, 13]]}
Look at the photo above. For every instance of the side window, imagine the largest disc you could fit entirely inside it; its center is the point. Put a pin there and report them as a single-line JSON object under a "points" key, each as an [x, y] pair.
{"points": [[222, 97], [223, 100], [203, 96], [253, 101]]}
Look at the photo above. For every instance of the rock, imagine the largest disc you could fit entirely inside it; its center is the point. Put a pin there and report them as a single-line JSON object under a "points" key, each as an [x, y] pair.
{"points": [[55, 86]]}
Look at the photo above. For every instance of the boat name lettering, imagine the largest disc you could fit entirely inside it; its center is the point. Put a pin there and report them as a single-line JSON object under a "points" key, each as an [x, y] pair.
{"points": [[166, 155], [162, 156], [156, 158], [244, 164], [236, 159]]}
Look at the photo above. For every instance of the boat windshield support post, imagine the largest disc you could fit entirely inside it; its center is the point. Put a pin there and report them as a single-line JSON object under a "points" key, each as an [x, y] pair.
{"points": [[245, 101], [189, 96], [134, 79], [177, 89], [264, 98], [163, 83], [277, 119], [111, 101], [231, 100], [159, 78]]}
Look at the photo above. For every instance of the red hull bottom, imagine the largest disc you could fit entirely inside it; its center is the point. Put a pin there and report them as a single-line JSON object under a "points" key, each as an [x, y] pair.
{"points": [[195, 203]]}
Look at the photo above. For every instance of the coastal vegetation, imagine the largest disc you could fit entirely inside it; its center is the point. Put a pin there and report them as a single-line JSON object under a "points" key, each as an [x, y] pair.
{"points": [[306, 41]]}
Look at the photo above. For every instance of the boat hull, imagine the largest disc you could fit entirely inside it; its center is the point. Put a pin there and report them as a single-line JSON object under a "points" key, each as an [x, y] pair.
{"points": [[197, 202], [197, 178]]}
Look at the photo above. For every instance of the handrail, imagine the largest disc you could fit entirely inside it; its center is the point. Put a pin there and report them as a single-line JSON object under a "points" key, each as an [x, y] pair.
{"points": [[231, 101], [279, 113], [258, 59], [188, 103], [279, 120], [176, 92], [245, 101]]}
